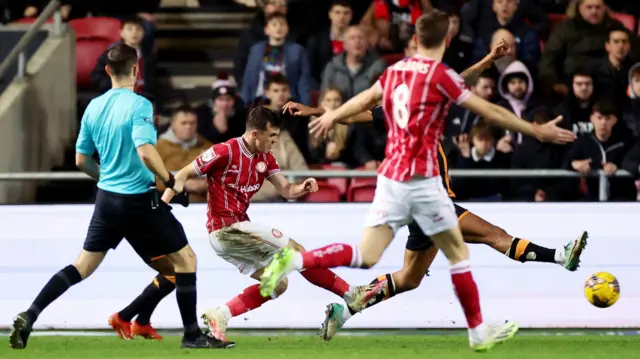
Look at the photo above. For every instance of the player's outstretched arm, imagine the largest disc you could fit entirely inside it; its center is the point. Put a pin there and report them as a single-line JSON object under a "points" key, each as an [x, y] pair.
{"points": [[356, 105], [503, 118], [88, 165], [497, 51], [297, 109], [290, 190]]}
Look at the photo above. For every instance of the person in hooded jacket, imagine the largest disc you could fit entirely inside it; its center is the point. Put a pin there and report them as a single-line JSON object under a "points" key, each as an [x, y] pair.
{"points": [[577, 107], [631, 112], [603, 149]]}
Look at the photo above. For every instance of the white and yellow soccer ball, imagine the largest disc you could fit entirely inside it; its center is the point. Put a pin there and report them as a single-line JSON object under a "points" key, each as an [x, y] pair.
{"points": [[602, 289]]}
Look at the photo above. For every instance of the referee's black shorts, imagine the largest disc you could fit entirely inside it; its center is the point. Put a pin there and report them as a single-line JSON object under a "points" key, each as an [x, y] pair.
{"points": [[151, 232], [418, 241]]}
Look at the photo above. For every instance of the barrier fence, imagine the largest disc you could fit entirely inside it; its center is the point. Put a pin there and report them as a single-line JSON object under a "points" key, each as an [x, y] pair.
{"points": [[603, 194]]}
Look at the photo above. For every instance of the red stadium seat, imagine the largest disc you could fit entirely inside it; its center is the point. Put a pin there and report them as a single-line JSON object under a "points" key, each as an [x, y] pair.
{"points": [[340, 183], [363, 180], [87, 54], [393, 58], [104, 28], [326, 193], [362, 192], [29, 20], [557, 18], [627, 20]]}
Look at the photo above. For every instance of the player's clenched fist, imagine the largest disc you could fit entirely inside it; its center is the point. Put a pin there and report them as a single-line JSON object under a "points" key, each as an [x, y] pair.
{"points": [[309, 185]]}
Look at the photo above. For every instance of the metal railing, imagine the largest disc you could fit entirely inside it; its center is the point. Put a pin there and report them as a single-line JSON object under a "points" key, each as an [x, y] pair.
{"points": [[52, 9], [603, 192]]}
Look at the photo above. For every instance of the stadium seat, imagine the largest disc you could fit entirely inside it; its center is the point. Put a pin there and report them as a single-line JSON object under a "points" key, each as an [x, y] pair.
{"points": [[627, 20], [87, 54], [315, 98], [341, 183], [362, 192], [104, 28], [557, 18], [326, 193], [29, 20], [363, 180], [393, 58]]}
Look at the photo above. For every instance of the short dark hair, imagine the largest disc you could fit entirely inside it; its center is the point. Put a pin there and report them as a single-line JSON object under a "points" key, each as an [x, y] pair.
{"points": [[605, 108], [432, 28], [486, 74], [582, 71], [277, 79], [260, 117], [132, 20], [342, 3], [185, 108], [617, 29], [276, 16], [121, 59], [635, 71], [482, 130]]}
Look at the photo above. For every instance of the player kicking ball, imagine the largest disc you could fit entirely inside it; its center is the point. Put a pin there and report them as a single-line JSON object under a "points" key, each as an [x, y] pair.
{"points": [[420, 252], [235, 171], [416, 94]]}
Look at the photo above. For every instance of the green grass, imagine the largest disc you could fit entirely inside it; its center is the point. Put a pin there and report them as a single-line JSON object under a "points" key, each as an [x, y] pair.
{"points": [[346, 347]]}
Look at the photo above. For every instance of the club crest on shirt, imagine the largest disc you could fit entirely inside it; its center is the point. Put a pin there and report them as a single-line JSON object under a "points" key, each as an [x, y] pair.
{"points": [[261, 167]]}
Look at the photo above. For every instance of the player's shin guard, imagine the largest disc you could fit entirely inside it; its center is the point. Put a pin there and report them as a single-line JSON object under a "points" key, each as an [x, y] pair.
{"points": [[187, 298], [524, 251], [57, 285], [326, 279], [331, 256], [246, 301], [467, 292]]}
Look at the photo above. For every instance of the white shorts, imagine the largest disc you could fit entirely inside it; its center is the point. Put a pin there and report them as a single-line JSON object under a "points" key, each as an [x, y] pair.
{"points": [[423, 200], [247, 245]]}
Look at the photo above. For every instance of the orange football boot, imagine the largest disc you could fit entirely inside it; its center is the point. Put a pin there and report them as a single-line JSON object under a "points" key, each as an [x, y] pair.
{"points": [[145, 330], [121, 327]]}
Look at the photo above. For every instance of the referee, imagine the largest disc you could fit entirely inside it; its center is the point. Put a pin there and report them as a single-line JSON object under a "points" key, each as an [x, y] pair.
{"points": [[119, 127]]}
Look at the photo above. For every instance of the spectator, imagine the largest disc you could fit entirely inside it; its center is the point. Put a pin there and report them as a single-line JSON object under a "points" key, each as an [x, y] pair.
{"points": [[576, 109], [131, 34], [289, 158], [480, 154], [532, 154], [460, 120], [576, 41], [526, 39], [223, 117], [330, 149], [604, 149], [631, 112], [479, 18], [278, 93], [457, 54], [324, 45], [255, 34], [516, 88], [181, 144], [504, 35], [277, 56], [611, 71], [392, 21], [353, 71], [33, 8]]}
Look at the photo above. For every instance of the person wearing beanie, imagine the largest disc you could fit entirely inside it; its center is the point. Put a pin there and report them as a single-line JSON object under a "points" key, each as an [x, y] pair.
{"points": [[222, 117]]}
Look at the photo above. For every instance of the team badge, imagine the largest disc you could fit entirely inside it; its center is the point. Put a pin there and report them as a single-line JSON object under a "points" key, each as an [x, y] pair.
{"points": [[261, 167], [276, 233]]}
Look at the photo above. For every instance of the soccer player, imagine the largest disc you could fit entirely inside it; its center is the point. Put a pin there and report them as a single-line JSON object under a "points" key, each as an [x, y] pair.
{"points": [[420, 252], [416, 94], [235, 171], [119, 127]]}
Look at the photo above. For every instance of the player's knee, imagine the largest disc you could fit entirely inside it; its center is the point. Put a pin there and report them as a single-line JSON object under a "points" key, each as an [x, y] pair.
{"points": [[163, 266], [282, 287], [369, 261], [184, 260]]}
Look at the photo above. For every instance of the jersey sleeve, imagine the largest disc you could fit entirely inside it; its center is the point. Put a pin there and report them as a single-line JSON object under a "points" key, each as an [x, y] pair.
{"points": [[216, 157], [272, 165], [381, 11], [85, 144], [452, 85], [144, 131]]}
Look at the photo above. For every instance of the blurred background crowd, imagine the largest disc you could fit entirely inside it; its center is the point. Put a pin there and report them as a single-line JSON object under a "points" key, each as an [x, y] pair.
{"points": [[204, 62]]}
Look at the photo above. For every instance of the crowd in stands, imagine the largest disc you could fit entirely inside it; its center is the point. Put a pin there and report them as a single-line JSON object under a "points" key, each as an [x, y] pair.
{"points": [[576, 58]]}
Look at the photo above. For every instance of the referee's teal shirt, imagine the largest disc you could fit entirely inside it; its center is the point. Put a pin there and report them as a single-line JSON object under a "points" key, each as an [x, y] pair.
{"points": [[114, 124]]}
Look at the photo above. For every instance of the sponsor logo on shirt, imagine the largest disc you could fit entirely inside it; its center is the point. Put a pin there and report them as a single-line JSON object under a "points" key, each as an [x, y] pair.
{"points": [[252, 188]]}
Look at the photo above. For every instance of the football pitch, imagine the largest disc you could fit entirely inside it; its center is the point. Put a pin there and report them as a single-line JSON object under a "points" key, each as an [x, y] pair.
{"points": [[294, 345]]}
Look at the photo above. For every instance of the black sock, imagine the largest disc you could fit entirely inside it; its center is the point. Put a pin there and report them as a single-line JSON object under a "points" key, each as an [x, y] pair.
{"points": [[524, 251], [165, 287], [186, 295], [57, 285], [148, 300], [387, 291]]}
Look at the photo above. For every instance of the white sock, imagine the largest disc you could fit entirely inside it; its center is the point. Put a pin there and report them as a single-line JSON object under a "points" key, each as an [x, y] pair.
{"points": [[346, 314], [296, 261], [356, 259], [478, 334], [226, 312], [559, 256], [347, 295]]}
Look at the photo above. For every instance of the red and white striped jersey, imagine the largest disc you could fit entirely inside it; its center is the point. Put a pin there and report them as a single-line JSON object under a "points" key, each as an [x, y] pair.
{"points": [[417, 94], [234, 175]]}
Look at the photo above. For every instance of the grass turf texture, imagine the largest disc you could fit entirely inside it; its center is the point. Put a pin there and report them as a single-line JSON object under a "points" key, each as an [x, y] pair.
{"points": [[352, 347]]}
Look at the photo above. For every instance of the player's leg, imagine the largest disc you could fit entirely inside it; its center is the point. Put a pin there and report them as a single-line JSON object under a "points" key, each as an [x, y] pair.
{"points": [[477, 230], [434, 212], [387, 213]]}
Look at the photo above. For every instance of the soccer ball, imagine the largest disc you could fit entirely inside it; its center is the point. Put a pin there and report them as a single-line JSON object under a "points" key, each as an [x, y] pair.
{"points": [[602, 289]]}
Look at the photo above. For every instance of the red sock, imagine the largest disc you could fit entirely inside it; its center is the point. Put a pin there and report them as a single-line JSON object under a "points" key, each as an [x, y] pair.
{"points": [[467, 293], [326, 279], [248, 300], [331, 256]]}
